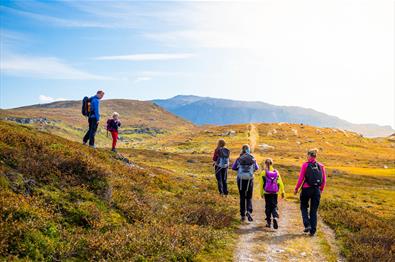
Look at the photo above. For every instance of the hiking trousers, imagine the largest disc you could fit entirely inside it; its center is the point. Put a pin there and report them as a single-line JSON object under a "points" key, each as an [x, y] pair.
{"points": [[221, 174], [310, 197], [271, 206], [245, 191], [114, 135], [90, 135]]}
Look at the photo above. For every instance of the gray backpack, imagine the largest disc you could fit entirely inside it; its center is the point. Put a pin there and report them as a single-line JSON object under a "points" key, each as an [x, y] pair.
{"points": [[246, 167], [223, 158]]}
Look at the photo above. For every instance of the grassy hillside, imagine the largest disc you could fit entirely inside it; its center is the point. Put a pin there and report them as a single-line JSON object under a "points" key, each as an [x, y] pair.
{"points": [[60, 200], [140, 120], [359, 200]]}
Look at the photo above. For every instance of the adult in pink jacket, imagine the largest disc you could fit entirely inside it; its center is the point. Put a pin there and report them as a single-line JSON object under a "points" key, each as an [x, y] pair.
{"points": [[312, 180]]}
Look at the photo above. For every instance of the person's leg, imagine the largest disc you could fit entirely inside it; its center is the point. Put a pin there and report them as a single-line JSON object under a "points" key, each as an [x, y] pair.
{"points": [[250, 187], [225, 180], [92, 134], [274, 206], [86, 137], [304, 205], [242, 198], [267, 208], [114, 135], [315, 202], [219, 179]]}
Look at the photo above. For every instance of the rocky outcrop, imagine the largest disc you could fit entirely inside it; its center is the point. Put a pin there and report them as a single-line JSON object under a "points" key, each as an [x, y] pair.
{"points": [[30, 120]]}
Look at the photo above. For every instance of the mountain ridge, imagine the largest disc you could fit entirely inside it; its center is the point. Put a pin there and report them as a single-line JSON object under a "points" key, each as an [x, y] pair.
{"points": [[219, 111]]}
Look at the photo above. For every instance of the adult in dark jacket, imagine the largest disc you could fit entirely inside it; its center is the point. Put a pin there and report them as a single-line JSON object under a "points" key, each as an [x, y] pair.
{"points": [[221, 164], [245, 166], [93, 118]]}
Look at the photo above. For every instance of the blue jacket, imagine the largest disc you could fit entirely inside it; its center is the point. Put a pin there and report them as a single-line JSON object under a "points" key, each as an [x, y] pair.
{"points": [[95, 105]]}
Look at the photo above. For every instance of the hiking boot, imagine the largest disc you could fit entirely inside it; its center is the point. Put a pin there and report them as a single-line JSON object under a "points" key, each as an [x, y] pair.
{"points": [[275, 223], [243, 218], [312, 233], [114, 150], [249, 217], [267, 225], [307, 229], [84, 143]]}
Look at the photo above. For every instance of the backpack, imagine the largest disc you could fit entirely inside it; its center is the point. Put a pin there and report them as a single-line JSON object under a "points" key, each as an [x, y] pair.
{"points": [[110, 125], [223, 158], [86, 106], [246, 167], [271, 184], [313, 175]]}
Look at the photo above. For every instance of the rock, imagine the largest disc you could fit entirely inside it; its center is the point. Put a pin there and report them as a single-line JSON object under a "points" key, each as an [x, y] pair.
{"points": [[385, 166], [229, 133], [31, 120], [303, 254], [317, 131], [191, 161], [295, 131], [298, 142], [266, 147]]}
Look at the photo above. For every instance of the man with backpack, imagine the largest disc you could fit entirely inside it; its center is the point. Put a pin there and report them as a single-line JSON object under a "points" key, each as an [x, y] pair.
{"points": [[245, 166], [312, 179], [221, 165], [91, 109], [271, 185]]}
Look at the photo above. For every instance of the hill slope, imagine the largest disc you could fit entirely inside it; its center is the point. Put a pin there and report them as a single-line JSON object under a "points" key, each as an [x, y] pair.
{"points": [[140, 119], [60, 200], [206, 110]]}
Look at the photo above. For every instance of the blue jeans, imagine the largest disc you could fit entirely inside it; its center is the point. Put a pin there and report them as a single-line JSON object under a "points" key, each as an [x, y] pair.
{"points": [[312, 196], [90, 135]]}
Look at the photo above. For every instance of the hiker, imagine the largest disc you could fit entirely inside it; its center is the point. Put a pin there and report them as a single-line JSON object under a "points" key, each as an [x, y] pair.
{"points": [[93, 114], [312, 179], [245, 166], [221, 165], [271, 185], [112, 126]]}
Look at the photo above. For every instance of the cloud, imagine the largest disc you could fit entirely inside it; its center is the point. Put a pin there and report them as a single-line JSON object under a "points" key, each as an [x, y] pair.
{"points": [[142, 78], [147, 57], [48, 99], [43, 67]]}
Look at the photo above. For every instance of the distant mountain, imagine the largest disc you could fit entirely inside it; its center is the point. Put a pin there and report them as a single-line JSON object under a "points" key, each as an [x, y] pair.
{"points": [[206, 110]]}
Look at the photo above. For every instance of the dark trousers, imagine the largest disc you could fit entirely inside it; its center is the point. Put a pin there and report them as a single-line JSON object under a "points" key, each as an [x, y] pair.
{"points": [[90, 135], [271, 206], [312, 195], [245, 191], [222, 176]]}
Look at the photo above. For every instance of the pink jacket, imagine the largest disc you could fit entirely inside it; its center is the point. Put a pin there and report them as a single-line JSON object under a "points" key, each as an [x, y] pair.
{"points": [[303, 172]]}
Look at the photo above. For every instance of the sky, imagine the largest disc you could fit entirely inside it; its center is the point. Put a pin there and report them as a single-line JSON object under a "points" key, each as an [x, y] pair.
{"points": [[333, 56]]}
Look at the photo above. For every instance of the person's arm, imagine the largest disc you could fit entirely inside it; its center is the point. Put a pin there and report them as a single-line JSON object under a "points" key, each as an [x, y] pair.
{"points": [[95, 107], [262, 187], [235, 165], [256, 167], [323, 178], [281, 188], [119, 123], [215, 155], [301, 177]]}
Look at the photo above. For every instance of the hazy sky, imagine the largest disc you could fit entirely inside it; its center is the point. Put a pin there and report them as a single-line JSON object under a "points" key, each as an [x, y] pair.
{"points": [[334, 56]]}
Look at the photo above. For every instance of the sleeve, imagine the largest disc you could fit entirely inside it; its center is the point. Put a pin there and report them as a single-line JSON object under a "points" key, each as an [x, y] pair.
{"points": [[256, 165], [262, 177], [301, 177], [280, 184], [235, 165], [215, 155], [119, 123], [323, 178], [95, 106]]}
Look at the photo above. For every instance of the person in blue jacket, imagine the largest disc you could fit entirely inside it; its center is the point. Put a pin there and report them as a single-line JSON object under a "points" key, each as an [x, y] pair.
{"points": [[94, 118]]}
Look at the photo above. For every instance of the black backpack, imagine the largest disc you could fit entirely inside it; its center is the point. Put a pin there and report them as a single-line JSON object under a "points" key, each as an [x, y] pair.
{"points": [[86, 106], [313, 175]]}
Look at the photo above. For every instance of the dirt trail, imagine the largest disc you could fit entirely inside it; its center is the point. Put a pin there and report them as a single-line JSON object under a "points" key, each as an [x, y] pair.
{"points": [[288, 243]]}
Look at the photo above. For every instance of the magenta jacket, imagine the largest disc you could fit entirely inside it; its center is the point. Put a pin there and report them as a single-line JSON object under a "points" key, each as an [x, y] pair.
{"points": [[303, 172]]}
